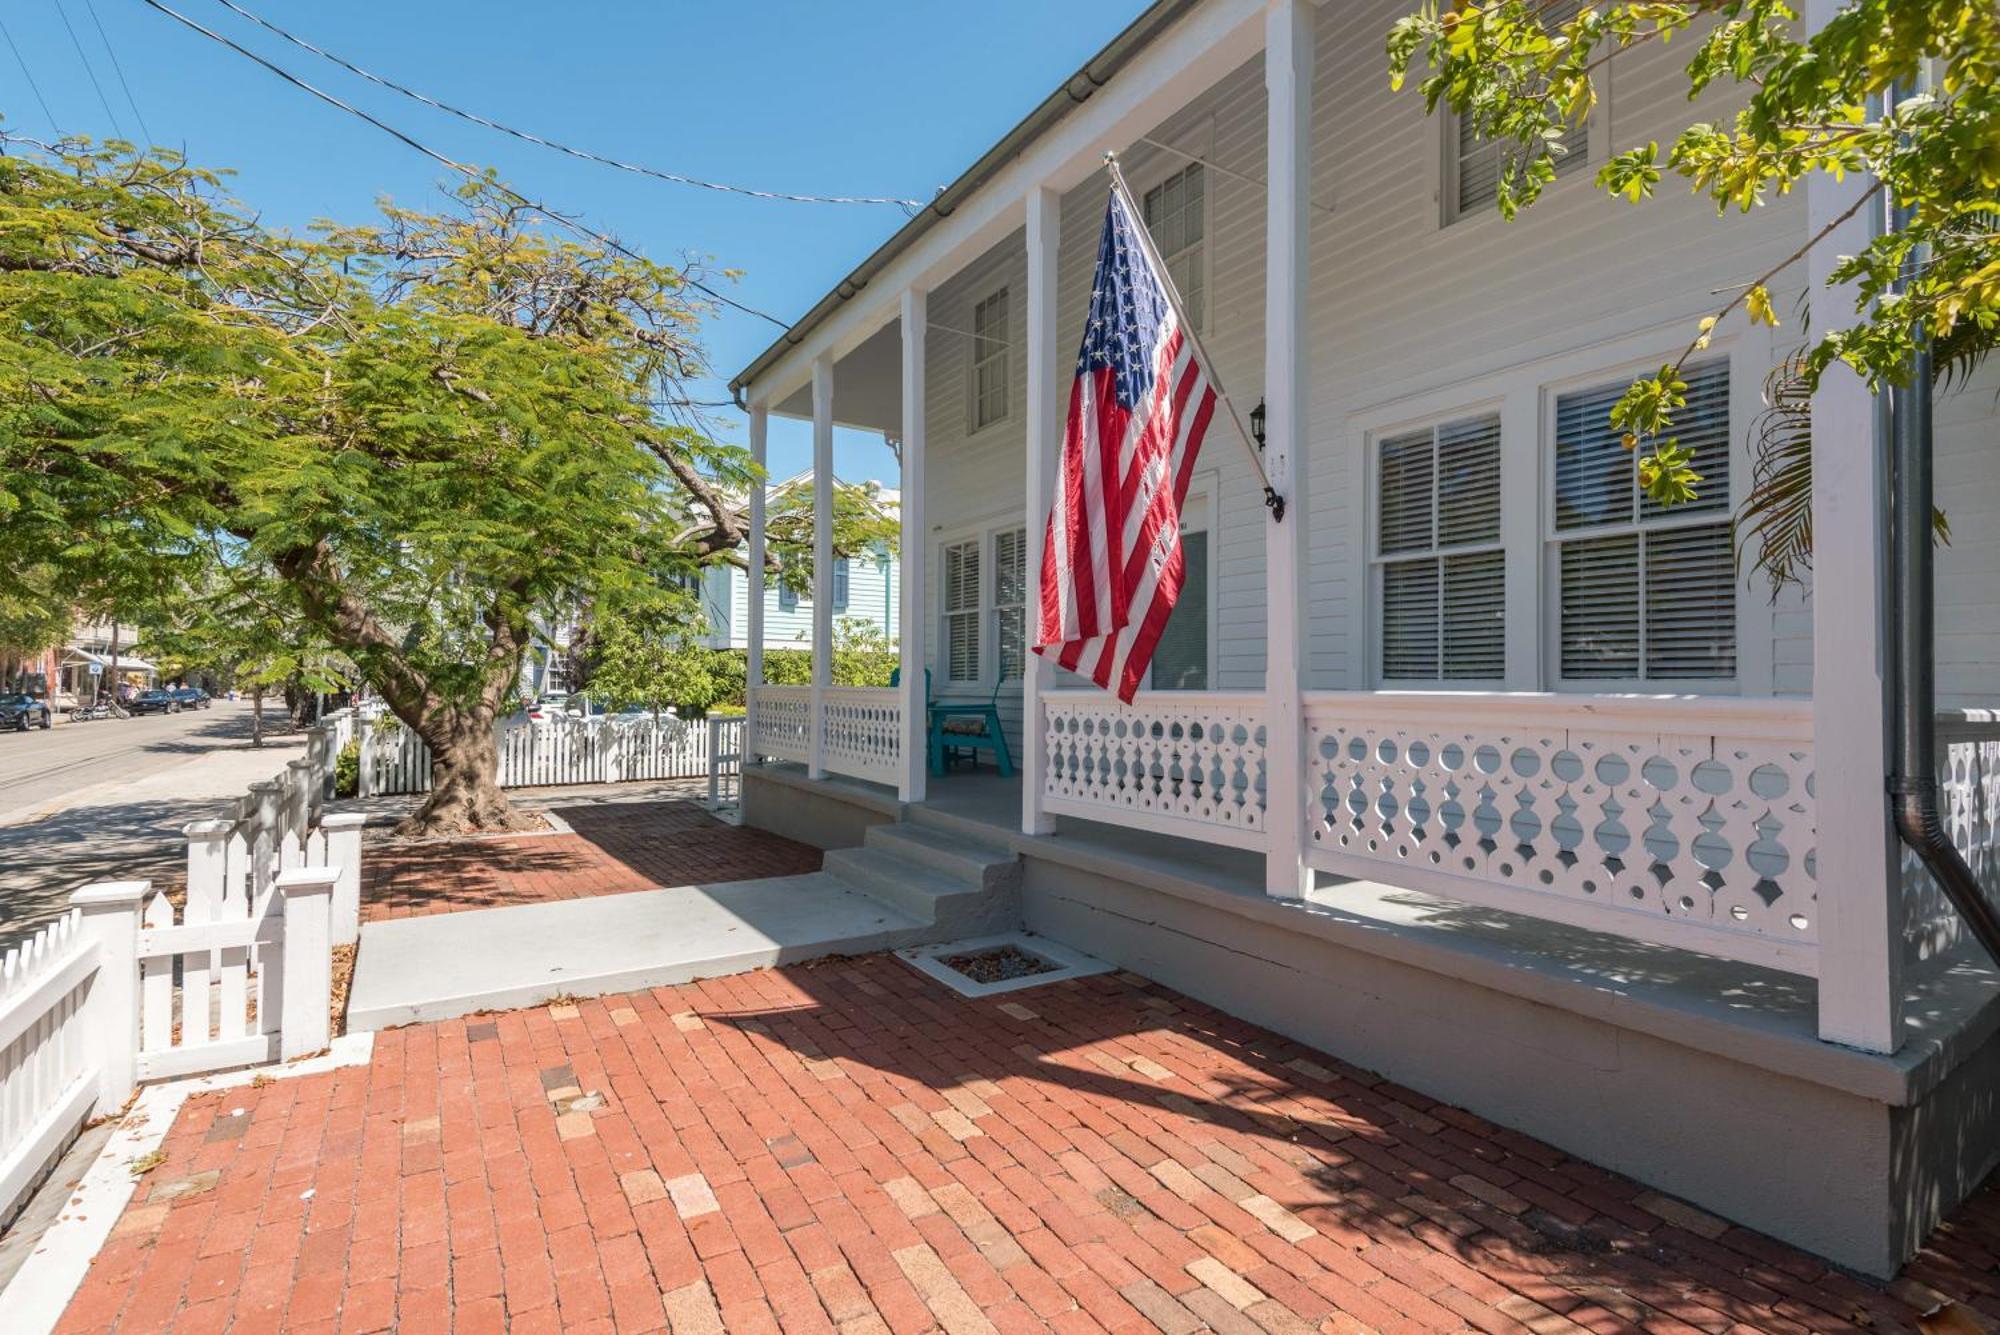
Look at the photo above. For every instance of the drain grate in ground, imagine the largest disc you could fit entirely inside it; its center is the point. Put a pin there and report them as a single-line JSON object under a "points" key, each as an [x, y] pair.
{"points": [[994, 964]]}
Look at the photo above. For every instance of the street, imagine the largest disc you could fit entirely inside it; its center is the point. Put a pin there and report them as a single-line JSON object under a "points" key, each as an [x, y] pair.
{"points": [[106, 800]]}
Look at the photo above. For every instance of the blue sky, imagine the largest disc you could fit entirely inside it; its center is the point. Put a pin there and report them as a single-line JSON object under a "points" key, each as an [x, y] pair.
{"points": [[883, 97]]}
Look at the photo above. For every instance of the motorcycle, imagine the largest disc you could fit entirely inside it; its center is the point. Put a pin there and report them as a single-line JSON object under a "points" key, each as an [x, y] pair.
{"points": [[89, 713]]}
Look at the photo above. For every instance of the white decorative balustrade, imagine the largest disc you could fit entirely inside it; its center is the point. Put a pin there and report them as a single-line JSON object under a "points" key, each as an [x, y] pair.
{"points": [[864, 732], [1677, 821], [1176, 762], [784, 723]]}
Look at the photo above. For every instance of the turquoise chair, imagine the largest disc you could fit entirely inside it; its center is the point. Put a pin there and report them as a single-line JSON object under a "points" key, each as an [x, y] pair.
{"points": [[961, 732]]}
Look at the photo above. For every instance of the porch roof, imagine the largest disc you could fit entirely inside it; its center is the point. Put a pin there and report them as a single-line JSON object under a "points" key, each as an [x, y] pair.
{"points": [[1094, 74]]}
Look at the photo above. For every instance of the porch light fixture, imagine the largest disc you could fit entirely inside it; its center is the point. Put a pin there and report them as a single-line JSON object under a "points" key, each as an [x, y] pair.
{"points": [[1257, 423]]}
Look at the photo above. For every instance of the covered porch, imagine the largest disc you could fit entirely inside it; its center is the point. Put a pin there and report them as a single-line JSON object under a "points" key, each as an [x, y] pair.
{"points": [[1669, 927]]}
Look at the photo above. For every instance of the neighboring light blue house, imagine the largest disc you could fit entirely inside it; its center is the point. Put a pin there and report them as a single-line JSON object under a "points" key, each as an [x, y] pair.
{"points": [[865, 588]]}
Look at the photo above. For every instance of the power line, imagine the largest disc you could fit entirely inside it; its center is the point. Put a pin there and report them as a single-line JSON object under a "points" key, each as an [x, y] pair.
{"points": [[118, 67], [28, 74], [461, 168], [585, 154], [90, 70]]}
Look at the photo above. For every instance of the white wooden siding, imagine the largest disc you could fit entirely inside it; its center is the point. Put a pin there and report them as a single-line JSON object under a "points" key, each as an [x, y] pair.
{"points": [[1407, 311]]}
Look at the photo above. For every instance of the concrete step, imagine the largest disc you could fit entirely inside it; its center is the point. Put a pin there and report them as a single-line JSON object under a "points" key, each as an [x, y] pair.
{"points": [[450, 964], [973, 861], [952, 906]]}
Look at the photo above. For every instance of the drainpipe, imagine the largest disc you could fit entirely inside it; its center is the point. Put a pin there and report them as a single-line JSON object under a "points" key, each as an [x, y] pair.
{"points": [[1913, 787]]}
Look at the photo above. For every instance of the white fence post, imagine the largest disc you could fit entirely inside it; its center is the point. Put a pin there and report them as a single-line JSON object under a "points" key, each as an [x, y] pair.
{"points": [[306, 1025], [366, 786], [298, 785], [343, 852], [111, 1010]]}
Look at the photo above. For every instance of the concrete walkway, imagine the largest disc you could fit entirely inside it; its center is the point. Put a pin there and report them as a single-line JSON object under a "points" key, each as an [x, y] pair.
{"points": [[446, 965]]}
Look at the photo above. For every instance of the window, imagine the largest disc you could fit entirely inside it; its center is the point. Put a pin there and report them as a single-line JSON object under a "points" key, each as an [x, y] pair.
{"points": [[989, 361], [1475, 163], [788, 597], [1647, 594], [1010, 601], [961, 611], [840, 584], [1175, 211], [1443, 576], [1180, 659]]}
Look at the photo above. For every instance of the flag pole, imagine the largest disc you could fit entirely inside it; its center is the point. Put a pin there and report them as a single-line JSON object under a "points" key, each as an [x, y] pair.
{"points": [[1272, 499]]}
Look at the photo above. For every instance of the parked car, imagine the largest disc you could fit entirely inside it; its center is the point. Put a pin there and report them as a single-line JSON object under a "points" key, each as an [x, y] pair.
{"points": [[23, 712], [191, 697], [159, 700]]}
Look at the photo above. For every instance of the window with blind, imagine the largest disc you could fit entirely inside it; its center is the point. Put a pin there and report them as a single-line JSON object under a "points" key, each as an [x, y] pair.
{"points": [[989, 361], [961, 611], [1476, 163], [1010, 601], [1647, 593], [1175, 211], [1442, 573]]}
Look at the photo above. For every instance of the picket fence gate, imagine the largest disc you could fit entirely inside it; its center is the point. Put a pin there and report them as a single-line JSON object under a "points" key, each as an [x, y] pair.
{"points": [[564, 750], [127, 986]]}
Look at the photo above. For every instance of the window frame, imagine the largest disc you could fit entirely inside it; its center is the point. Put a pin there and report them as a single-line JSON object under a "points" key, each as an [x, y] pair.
{"points": [[841, 591], [1202, 514], [945, 544], [1002, 357], [1553, 538], [1378, 561], [1596, 130], [1177, 164]]}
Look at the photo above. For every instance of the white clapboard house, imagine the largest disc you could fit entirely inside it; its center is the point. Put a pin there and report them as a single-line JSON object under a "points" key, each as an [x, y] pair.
{"points": [[1477, 770]]}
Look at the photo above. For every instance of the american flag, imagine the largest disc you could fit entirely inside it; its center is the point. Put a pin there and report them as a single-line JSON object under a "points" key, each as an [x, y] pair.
{"points": [[1112, 565]]}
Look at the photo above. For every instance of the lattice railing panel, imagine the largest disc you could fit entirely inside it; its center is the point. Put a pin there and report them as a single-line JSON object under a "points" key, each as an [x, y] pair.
{"points": [[784, 723], [864, 732], [1680, 821], [1184, 762]]}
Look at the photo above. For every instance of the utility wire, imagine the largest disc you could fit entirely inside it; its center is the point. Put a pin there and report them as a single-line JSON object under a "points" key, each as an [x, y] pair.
{"points": [[29, 75], [90, 70], [470, 173], [908, 205], [118, 67]]}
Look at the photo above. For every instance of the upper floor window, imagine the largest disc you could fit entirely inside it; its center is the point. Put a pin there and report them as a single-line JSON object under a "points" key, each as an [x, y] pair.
{"points": [[1474, 163], [1647, 593], [1176, 214], [1443, 573], [990, 362], [961, 611]]}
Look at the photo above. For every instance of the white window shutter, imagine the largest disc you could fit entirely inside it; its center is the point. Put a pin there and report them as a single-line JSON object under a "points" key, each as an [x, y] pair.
{"points": [[961, 611], [1444, 586]]}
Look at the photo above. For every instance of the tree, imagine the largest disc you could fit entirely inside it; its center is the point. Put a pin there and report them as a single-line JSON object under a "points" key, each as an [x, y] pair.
{"points": [[412, 433], [1844, 100]]}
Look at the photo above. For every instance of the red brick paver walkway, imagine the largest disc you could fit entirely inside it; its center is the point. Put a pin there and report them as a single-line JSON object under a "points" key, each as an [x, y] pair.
{"points": [[617, 848], [848, 1146]]}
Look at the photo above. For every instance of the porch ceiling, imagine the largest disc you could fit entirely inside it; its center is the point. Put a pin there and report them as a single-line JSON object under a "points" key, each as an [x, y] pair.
{"points": [[867, 386]]}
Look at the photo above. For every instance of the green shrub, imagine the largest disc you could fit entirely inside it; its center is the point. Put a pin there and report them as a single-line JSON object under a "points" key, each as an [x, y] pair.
{"points": [[347, 769]]}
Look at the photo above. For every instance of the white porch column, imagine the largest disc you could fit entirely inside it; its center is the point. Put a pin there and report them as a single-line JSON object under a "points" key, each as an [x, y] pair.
{"points": [[1288, 75], [822, 590], [1859, 866], [911, 547], [753, 629], [1045, 424]]}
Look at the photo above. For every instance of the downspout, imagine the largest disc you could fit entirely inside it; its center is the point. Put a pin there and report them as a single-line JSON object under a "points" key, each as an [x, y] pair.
{"points": [[1913, 786]]}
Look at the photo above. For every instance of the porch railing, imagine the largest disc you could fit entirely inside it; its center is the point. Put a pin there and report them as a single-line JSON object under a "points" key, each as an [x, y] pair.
{"points": [[783, 717], [1177, 762], [864, 732], [1680, 822]]}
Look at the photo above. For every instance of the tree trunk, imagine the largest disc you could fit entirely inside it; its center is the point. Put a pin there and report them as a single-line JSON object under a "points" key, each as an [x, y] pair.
{"points": [[465, 778], [256, 716]]}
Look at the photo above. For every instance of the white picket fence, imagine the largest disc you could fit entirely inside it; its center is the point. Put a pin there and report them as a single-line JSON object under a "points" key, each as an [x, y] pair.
{"points": [[126, 987], [565, 750]]}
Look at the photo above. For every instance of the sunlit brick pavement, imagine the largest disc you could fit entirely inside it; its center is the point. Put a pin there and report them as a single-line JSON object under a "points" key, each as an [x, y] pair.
{"points": [[850, 1147], [616, 848]]}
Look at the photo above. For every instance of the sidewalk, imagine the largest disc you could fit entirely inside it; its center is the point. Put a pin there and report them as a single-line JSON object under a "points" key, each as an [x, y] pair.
{"points": [[848, 1146]]}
